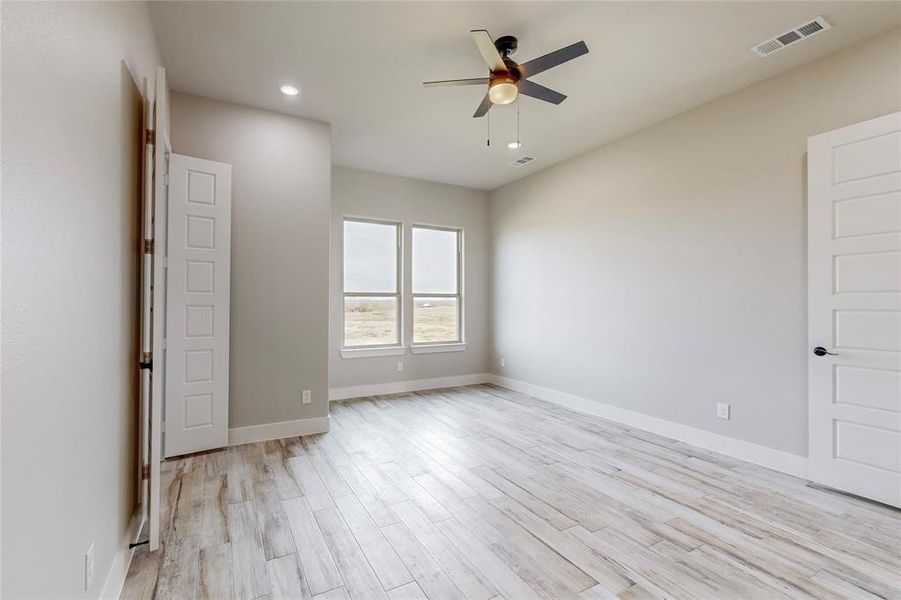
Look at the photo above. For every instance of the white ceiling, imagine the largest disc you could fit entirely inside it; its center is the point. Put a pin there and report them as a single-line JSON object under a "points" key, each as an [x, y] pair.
{"points": [[360, 66]]}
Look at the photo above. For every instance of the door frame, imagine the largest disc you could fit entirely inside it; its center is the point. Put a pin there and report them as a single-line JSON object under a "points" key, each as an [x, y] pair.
{"points": [[161, 152]]}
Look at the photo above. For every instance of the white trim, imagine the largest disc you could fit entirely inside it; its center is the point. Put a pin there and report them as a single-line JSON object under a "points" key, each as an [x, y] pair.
{"points": [[276, 431], [115, 578], [399, 387], [367, 352], [433, 348], [771, 458]]}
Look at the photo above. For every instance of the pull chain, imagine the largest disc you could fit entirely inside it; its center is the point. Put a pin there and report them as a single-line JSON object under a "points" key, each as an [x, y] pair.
{"points": [[488, 116]]}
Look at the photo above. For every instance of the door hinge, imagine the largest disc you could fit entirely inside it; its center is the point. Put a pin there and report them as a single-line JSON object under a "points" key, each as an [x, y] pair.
{"points": [[148, 246], [151, 136], [146, 361], [145, 472]]}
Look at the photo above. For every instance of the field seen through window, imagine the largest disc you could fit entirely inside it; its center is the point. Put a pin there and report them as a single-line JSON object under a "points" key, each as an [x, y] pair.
{"points": [[373, 321]]}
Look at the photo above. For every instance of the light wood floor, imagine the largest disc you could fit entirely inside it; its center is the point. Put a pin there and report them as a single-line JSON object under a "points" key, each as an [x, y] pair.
{"points": [[480, 492]]}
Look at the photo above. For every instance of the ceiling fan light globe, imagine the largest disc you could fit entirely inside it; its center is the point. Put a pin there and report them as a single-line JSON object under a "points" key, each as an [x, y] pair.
{"points": [[502, 91]]}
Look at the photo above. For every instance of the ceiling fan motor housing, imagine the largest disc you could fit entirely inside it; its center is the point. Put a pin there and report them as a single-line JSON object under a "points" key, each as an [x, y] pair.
{"points": [[506, 45]]}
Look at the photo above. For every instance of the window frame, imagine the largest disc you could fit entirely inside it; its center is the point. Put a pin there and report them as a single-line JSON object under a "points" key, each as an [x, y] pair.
{"points": [[459, 343], [398, 295]]}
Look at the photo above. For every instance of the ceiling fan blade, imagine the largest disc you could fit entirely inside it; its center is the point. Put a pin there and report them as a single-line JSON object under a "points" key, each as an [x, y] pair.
{"points": [[452, 82], [483, 107], [530, 88], [557, 57], [492, 57]]}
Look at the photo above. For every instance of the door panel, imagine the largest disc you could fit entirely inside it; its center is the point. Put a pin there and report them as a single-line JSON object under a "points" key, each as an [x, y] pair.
{"points": [[198, 305], [854, 294]]}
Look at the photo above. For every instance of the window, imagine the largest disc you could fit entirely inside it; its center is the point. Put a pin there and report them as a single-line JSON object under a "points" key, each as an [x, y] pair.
{"points": [[371, 284], [437, 297]]}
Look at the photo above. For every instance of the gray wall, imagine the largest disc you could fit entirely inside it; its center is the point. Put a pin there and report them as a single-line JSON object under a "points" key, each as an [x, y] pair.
{"points": [[72, 79], [365, 194], [280, 244], [665, 272]]}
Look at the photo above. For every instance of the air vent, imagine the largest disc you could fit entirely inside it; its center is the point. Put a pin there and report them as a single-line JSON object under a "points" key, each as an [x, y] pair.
{"points": [[522, 161], [804, 30]]}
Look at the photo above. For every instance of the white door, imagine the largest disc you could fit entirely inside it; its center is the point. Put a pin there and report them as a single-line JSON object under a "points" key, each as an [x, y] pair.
{"points": [[854, 297], [197, 303], [159, 162]]}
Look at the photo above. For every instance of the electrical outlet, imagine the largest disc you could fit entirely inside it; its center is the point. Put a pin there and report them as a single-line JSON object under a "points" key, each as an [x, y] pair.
{"points": [[89, 567], [400, 366], [307, 396], [722, 410], [503, 363]]}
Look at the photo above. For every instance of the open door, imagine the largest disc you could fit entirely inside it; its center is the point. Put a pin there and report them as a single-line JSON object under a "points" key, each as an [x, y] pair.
{"points": [[158, 160], [146, 304], [197, 304], [854, 295]]}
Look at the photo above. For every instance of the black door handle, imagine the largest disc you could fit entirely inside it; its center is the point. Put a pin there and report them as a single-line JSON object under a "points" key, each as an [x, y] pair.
{"points": [[820, 351]]}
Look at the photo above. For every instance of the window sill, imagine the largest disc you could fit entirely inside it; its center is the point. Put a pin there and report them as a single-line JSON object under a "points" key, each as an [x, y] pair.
{"points": [[367, 352], [431, 348]]}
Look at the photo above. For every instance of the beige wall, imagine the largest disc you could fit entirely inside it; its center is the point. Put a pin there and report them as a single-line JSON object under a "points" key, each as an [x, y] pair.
{"points": [[280, 244], [71, 147], [665, 272], [366, 194]]}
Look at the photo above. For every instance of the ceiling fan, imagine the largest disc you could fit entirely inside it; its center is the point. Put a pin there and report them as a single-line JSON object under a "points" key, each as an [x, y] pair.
{"points": [[506, 79]]}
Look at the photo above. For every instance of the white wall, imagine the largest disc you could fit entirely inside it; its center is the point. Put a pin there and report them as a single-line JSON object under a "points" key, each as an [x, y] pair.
{"points": [[280, 244], [665, 272], [71, 159], [366, 194]]}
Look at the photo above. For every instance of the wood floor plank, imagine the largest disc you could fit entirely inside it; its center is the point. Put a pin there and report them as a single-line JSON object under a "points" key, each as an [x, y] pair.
{"points": [[328, 473], [320, 571], [360, 581], [309, 482], [410, 591], [178, 570], [214, 528], [273, 525], [433, 581], [187, 518], [379, 510], [287, 579], [250, 577], [238, 477], [215, 573], [482, 492], [472, 583], [140, 582], [277, 455], [335, 594], [495, 570], [388, 567]]}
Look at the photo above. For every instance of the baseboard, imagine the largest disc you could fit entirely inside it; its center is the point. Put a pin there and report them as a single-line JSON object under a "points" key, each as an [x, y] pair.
{"points": [[777, 460], [399, 387], [115, 579], [276, 431]]}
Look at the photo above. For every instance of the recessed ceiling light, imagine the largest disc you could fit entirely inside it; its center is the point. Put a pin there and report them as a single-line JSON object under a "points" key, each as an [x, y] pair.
{"points": [[514, 145], [289, 90]]}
